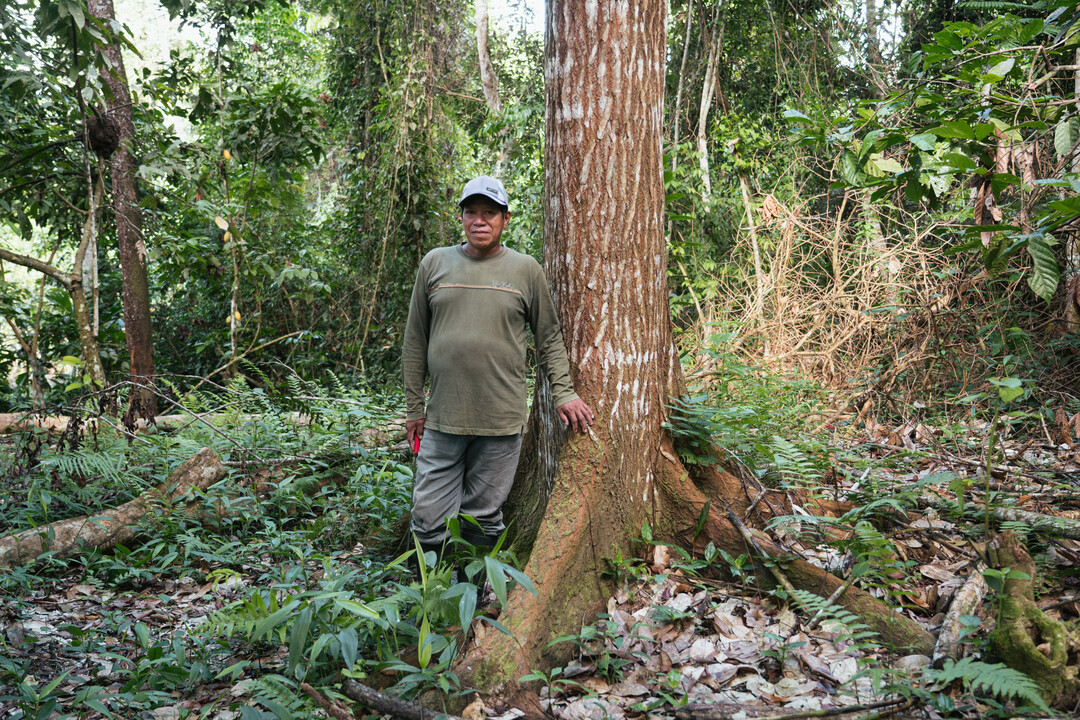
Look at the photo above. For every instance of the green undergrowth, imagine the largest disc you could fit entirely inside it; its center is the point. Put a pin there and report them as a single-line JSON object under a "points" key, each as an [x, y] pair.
{"points": [[761, 426], [288, 570]]}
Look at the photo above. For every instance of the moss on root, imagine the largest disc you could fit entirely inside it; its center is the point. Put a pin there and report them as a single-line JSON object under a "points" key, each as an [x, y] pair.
{"points": [[1025, 638]]}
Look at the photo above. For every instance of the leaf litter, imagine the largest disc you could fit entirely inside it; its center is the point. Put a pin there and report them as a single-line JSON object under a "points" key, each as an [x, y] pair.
{"points": [[668, 640]]}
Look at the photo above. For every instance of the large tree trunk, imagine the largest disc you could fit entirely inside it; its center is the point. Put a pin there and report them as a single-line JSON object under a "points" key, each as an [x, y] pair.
{"points": [[129, 237], [583, 499]]}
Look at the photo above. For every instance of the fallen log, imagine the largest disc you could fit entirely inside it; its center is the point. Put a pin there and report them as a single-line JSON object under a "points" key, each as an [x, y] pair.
{"points": [[965, 602], [1038, 522], [115, 526]]}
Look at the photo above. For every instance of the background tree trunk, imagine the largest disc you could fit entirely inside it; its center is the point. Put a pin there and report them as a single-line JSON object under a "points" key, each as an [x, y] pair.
{"points": [[73, 283], [488, 77], [708, 89], [129, 237]]}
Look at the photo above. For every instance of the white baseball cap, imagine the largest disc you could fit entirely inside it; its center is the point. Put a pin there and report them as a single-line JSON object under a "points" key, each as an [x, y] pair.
{"points": [[487, 186]]}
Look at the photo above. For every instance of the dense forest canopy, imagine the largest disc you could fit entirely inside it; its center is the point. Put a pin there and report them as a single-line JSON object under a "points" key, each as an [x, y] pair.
{"points": [[294, 162], [843, 233]]}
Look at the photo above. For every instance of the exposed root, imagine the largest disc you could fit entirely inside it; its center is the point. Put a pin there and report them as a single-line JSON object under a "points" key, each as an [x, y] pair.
{"points": [[684, 503]]}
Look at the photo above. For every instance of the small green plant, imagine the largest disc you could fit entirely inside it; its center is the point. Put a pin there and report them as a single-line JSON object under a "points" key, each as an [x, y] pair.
{"points": [[997, 578], [606, 646], [553, 680], [780, 649]]}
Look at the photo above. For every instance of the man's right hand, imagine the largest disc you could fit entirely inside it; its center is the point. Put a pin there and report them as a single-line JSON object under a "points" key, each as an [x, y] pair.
{"points": [[414, 431]]}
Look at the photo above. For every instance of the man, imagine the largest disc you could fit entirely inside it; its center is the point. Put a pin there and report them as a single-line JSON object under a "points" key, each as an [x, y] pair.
{"points": [[469, 311]]}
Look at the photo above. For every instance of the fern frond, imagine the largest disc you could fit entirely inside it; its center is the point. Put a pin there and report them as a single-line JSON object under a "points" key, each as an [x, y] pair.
{"points": [[993, 678], [791, 460], [817, 606]]}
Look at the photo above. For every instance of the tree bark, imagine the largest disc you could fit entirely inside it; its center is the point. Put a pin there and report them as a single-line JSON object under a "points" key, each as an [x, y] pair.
{"points": [[582, 499], [115, 526], [129, 236]]}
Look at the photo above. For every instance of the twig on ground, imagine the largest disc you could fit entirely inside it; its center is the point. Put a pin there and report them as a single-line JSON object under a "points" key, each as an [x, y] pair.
{"points": [[979, 464], [1049, 524], [753, 543], [819, 615]]}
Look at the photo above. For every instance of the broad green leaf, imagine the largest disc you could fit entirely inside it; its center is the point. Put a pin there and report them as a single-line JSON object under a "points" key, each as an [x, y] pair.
{"points": [[849, 168], [496, 578], [298, 638], [319, 646], [1065, 135], [1007, 395], [1009, 131], [796, 115], [71, 360], [925, 141], [467, 607], [1000, 70], [348, 640], [356, 608], [955, 129], [424, 643], [271, 621], [142, 635], [949, 39], [888, 165], [1045, 275], [959, 161]]}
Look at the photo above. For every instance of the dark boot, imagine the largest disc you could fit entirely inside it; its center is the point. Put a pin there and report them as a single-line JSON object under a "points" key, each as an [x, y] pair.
{"points": [[475, 537]]}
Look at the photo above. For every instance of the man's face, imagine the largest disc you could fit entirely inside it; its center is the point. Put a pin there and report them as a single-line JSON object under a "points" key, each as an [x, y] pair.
{"points": [[483, 221]]}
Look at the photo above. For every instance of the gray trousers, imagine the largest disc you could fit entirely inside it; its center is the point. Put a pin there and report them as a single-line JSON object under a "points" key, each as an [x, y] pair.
{"points": [[462, 474]]}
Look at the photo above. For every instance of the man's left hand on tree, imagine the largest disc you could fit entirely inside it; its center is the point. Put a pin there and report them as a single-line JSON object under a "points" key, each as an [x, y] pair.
{"points": [[576, 415]]}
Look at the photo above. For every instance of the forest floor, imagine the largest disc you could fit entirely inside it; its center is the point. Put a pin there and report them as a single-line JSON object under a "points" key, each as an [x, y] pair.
{"points": [[174, 628]]}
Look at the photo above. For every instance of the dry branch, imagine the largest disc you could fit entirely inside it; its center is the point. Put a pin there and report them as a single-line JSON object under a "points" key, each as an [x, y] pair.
{"points": [[114, 526], [332, 708]]}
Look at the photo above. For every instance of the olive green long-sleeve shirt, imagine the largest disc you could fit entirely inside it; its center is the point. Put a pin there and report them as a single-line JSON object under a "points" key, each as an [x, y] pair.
{"points": [[467, 332]]}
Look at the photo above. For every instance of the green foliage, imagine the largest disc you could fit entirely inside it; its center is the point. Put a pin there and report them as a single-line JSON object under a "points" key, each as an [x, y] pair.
{"points": [[976, 678], [606, 645], [956, 119]]}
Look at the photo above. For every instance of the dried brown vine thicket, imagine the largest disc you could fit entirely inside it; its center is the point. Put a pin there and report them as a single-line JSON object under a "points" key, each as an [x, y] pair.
{"points": [[877, 317]]}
